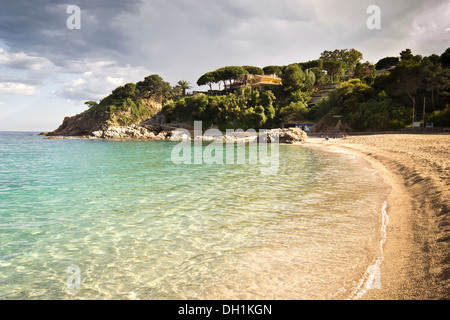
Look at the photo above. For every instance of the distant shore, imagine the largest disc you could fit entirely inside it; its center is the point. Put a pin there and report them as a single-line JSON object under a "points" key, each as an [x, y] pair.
{"points": [[416, 254]]}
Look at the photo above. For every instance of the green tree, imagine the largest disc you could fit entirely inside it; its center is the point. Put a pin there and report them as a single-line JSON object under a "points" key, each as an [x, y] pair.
{"points": [[445, 58], [267, 101], [334, 68], [434, 76], [220, 77], [129, 90], [293, 78], [406, 55], [234, 72], [319, 73], [91, 104], [407, 76], [294, 111], [273, 70], [311, 64], [387, 62], [349, 58], [361, 108], [119, 92], [253, 70], [207, 79], [310, 79], [229, 73], [441, 118], [177, 91], [359, 71], [153, 86], [369, 80], [184, 85]]}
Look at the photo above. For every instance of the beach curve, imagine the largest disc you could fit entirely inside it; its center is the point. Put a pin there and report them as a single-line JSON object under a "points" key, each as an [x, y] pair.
{"points": [[416, 255]]}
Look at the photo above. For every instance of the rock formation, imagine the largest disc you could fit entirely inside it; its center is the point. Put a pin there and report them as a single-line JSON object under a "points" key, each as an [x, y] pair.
{"points": [[289, 135]]}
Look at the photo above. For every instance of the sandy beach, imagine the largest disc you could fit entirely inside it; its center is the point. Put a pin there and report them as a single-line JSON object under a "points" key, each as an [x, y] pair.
{"points": [[416, 253]]}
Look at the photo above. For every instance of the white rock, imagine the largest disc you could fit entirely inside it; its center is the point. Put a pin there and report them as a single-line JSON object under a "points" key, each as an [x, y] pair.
{"points": [[97, 134]]}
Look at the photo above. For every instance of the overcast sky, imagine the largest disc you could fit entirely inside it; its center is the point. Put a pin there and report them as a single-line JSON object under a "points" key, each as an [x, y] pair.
{"points": [[47, 71]]}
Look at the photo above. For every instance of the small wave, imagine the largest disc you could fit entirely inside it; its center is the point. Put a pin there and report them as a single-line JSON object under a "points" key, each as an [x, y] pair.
{"points": [[372, 276]]}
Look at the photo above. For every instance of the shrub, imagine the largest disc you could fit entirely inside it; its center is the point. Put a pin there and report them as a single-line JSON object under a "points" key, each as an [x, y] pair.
{"points": [[440, 118]]}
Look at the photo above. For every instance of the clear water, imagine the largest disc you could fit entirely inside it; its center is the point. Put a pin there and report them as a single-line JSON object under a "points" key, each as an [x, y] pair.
{"points": [[139, 227]]}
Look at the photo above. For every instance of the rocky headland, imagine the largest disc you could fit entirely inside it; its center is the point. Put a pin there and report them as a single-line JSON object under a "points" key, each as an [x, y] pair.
{"points": [[72, 127]]}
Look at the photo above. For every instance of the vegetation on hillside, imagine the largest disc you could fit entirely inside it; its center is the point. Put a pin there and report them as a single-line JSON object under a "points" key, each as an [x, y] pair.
{"points": [[394, 99], [132, 102], [387, 95]]}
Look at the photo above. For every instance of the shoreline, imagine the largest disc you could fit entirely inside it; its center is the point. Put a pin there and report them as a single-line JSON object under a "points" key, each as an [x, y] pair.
{"points": [[416, 259]]}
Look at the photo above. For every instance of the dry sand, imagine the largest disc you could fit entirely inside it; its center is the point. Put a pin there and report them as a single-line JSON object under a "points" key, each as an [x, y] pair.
{"points": [[416, 254]]}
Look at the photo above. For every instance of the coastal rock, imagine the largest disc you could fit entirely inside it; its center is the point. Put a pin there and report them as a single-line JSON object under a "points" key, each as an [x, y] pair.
{"points": [[289, 135], [97, 134], [179, 135], [98, 118], [79, 125], [209, 138], [163, 135], [148, 135], [127, 132]]}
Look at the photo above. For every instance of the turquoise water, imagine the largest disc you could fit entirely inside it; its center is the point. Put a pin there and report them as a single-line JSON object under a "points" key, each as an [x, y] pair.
{"points": [[136, 226]]}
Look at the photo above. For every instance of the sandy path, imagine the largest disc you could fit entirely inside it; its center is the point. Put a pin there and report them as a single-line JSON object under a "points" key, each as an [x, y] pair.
{"points": [[416, 262]]}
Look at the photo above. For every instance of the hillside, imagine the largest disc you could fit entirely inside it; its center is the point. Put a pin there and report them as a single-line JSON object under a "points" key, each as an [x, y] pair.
{"points": [[126, 105], [337, 88]]}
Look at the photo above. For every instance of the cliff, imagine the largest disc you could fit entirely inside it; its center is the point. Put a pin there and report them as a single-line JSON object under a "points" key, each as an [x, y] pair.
{"points": [[126, 105], [100, 118]]}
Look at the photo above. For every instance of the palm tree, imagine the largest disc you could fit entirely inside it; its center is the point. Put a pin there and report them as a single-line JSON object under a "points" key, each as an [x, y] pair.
{"points": [[184, 85]]}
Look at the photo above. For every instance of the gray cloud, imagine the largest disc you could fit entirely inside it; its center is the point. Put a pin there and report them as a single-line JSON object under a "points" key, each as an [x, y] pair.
{"points": [[39, 27], [24, 80], [183, 39]]}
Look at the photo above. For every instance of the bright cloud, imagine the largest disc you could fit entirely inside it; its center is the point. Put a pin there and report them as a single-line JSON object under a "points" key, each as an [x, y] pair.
{"points": [[99, 81], [18, 89], [22, 60]]}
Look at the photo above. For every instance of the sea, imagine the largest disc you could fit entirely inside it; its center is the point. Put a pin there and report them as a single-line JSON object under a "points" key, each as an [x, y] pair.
{"points": [[94, 219]]}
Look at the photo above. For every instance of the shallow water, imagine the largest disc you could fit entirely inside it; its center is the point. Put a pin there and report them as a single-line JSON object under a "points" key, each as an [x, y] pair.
{"points": [[136, 226]]}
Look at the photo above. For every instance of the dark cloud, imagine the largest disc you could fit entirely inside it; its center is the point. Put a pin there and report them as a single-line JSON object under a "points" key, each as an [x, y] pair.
{"points": [[39, 28], [141, 31]]}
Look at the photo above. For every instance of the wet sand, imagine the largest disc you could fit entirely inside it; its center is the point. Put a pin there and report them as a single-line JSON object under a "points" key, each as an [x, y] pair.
{"points": [[416, 254]]}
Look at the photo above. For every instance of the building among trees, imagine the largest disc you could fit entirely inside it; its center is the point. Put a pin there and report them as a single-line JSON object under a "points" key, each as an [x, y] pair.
{"points": [[257, 81]]}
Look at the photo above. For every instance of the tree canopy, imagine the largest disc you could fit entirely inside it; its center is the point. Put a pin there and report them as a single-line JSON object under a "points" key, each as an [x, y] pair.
{"points": [[184, 85], [387, 62], [348, 58], [445, 58], [334, 68], [208, 78], [253, 70], [273, 70], [153, 86]]}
